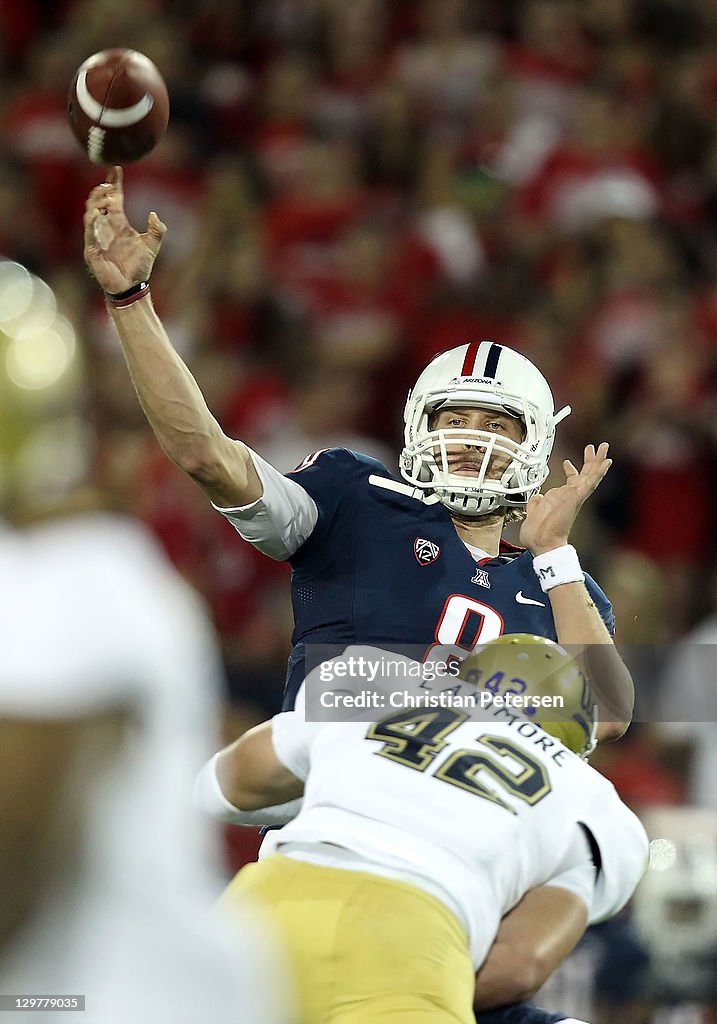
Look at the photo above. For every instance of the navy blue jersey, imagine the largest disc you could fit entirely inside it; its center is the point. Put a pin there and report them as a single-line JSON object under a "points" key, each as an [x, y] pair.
{"points": [[519, 1013], [383, 568]]}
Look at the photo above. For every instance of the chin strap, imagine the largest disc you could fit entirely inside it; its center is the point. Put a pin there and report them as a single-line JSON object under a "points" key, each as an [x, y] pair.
{"points": [[409, 492], [419, 494]]}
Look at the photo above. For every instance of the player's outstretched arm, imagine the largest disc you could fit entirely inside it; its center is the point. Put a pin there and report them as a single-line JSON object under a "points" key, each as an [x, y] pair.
{"points": [[578, 622], [120, 258], [533, 940]]}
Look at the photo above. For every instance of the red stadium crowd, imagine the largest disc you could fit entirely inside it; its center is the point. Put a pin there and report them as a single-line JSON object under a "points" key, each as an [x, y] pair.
{"points": [[350, 188]]}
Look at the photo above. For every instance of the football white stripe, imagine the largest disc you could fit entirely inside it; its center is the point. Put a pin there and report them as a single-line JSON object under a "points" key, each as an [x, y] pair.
{"points": [[111, 118], [95, 144]]}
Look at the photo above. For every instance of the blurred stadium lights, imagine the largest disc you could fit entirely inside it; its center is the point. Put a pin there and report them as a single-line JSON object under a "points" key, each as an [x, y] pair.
{"points": [[663, 854], [44, 448], [39, 345], [15, 292], [40, 360]]}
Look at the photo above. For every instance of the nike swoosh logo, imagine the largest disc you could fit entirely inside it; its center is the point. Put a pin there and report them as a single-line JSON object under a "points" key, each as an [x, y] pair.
{"points": [[527, 600]]}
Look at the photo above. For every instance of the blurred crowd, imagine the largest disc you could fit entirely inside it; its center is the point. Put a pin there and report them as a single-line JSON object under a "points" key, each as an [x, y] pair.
{"points": [[352, 187]]}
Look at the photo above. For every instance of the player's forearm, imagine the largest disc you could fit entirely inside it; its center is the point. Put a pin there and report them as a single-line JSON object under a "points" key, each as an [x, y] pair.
{"points": [[533, 940], [507, 976], [177, 412], [209, 797], [580, 627], [250, 775]]}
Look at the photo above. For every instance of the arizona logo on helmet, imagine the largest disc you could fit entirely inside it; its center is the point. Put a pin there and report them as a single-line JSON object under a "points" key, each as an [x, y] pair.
{"points": [[425, 550]]}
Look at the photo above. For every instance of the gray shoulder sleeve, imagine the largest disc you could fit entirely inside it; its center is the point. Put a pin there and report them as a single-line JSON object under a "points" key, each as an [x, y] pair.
{"points": [[281, 520]]}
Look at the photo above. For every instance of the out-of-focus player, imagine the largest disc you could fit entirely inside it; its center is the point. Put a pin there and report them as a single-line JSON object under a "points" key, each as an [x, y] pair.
{"points": [[419, 831], [376, 560], [109, 701]]}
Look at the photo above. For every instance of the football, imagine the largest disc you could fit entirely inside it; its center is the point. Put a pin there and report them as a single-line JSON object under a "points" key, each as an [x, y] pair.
{"points": [[117, 106]]}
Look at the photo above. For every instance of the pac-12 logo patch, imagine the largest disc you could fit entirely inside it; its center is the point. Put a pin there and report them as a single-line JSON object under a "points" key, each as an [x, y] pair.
{"points": [[425, 551]]}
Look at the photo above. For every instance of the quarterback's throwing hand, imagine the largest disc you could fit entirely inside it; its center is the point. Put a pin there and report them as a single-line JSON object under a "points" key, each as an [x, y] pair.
{"points": [[117, 255], [550, 516]]}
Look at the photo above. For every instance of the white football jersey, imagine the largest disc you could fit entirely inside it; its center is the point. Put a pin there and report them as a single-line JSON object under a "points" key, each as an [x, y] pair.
{"points": [[483, 810], [96, 620]]}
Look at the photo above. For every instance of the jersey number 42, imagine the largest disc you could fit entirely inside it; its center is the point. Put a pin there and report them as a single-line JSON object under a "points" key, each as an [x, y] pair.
{"points": [[415, 738]]}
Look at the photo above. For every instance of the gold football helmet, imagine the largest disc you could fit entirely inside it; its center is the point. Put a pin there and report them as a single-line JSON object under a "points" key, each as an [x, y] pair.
{"points": [[532, 667]]}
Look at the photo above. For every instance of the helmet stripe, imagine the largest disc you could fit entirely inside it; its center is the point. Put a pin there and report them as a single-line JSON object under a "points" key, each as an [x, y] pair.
{"points": [[491, 363], [469, 362]]}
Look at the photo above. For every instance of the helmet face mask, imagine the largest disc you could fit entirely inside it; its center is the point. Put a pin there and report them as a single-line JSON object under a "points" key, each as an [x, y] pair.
{"points": [[517, 389], [543, 669]]}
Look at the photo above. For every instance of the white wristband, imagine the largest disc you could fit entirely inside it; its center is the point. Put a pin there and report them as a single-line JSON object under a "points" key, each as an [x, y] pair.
{"points": [[208, 795], [561, 565]]}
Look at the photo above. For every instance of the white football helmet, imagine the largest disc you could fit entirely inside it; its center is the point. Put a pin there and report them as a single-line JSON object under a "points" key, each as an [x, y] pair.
{"points": [[674, 909], [484, 375]]}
